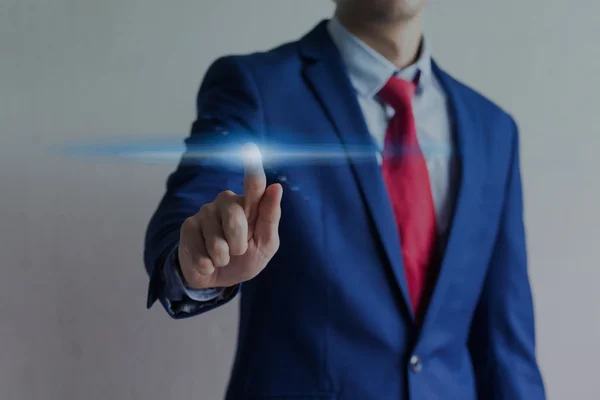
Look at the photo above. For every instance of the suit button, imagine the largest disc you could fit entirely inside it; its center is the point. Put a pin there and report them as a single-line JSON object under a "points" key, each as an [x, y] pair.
{"points": [[415, 364]]}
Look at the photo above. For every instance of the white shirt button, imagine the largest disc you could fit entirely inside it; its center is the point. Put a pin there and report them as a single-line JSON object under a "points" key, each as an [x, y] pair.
{"points": [[416, 364]]}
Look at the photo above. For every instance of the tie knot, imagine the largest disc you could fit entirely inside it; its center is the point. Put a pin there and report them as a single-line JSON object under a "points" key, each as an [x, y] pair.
{"points": [[398, 93]]}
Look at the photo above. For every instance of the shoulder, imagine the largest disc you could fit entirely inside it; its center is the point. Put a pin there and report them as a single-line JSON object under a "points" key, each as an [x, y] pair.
{"points": [[496, 129], [260, 66], [490, 113]]}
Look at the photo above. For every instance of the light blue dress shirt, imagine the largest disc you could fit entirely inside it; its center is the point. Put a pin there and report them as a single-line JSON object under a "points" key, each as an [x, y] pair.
{"points": [[369, 71]]}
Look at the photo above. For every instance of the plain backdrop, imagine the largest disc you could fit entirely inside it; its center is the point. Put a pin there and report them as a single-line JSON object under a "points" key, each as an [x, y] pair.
{"points": [[73, 323]]}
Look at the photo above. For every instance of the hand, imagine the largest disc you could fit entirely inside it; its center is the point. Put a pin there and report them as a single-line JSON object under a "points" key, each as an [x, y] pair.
{"points": [[232, 239]]}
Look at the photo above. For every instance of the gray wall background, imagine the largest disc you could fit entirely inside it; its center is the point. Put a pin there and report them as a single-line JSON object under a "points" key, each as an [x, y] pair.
{"points": [[73, 323]]}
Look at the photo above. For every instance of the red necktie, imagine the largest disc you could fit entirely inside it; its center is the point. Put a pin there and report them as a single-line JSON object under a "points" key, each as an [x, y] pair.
{"points": [[407, 179]]}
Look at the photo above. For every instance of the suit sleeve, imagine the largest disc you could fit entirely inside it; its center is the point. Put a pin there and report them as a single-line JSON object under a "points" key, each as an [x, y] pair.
{"points": [[502, 337], [229, 114]]}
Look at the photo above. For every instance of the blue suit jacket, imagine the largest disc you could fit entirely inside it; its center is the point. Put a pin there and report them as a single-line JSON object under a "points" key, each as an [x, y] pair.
{"points": [[329, 318]]}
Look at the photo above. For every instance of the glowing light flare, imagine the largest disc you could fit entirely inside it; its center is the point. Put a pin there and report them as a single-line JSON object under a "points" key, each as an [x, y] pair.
{"points": [[251, 155], [270, 155]]}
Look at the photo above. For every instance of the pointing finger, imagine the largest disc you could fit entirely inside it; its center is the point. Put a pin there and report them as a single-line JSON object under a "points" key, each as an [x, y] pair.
{"points": [[255, 180]]}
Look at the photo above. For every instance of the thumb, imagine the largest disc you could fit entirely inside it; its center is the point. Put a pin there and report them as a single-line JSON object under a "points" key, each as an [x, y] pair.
{"points": [[267, 224]]}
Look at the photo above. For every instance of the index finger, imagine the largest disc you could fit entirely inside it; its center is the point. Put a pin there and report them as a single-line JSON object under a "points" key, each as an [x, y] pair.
{"points": [[255, 180]]}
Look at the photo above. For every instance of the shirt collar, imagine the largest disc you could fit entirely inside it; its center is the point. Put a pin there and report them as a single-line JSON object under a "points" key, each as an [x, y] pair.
{"points": [[368, 70]]}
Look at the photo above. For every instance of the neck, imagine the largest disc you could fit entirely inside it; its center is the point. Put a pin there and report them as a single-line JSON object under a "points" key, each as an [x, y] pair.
{"points": [[399, 42]]}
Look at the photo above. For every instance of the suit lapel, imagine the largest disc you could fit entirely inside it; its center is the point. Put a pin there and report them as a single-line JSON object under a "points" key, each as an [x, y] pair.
{"points": [[325, 73], [470, 149]]}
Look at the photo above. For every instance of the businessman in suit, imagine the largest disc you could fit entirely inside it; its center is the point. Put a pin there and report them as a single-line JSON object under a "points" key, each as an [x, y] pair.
{"points": [[399, 274]]}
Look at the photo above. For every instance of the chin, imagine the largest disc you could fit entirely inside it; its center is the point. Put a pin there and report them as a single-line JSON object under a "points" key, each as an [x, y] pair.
{"points": [[394, 10]]}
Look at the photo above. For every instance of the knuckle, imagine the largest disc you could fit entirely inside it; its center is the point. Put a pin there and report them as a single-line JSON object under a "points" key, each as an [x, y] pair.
{"points": [[237, 240], [192, 278], [219, 253], [205, 210], [225, 196], [188, 224], [233, 210], [235, 219], [204, 265], [217, 247]]}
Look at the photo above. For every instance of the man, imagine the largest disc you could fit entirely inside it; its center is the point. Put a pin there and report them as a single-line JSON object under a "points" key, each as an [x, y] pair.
{"points": [[400, 274]]}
